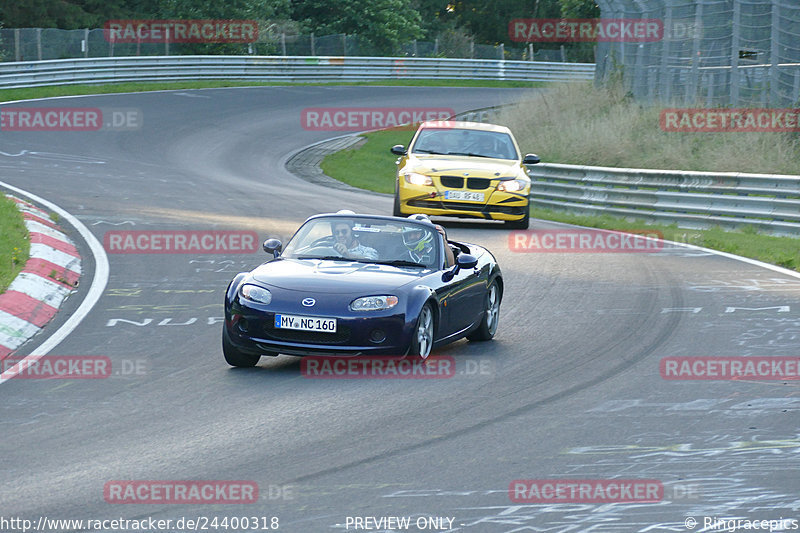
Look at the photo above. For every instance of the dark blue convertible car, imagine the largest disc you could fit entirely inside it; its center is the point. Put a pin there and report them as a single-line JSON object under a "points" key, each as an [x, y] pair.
{"points": [[350, 285]]}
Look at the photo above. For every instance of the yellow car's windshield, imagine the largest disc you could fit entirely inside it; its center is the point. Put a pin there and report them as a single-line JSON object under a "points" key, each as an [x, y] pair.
{"points": [[458, 141]]}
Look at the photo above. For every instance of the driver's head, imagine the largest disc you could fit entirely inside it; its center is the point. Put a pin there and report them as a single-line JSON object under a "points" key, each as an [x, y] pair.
{"points": [[343, 232]]}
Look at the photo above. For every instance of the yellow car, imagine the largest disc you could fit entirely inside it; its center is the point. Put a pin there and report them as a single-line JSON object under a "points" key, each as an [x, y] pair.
{"points": [[463, 169]]}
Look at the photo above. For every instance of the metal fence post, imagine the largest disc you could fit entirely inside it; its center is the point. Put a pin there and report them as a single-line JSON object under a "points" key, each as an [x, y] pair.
{"points": [[502, 51], [283, 43], [86, 41], [796, 87], [665, 76], [313, 52], [737, 21], [774, 55], [691, 89], [17, 55], [344, 44], [39, 43]]}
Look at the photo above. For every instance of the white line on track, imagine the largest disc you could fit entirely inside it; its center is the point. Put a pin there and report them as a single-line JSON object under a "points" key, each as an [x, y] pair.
{"points": [[99, 282]]}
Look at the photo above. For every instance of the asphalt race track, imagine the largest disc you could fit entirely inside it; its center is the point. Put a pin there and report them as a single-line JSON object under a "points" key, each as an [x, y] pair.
{"points": [[569, 389]]}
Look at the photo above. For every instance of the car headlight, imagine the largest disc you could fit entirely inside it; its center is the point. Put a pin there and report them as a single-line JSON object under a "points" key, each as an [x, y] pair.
{"points": [[257, 294], [418, 179], [512, 185], [373, 303]]}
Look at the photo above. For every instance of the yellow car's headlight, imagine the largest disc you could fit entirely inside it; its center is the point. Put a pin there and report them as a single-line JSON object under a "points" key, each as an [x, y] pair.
{"points": [[418, 179], [512, 185]]}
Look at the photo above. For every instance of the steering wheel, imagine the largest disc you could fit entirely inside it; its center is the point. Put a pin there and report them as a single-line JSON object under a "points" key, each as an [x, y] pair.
{"points": [[321, 251], [322, 241]]}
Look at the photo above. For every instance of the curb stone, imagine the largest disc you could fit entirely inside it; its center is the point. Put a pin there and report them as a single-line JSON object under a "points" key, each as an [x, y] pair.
{"points": [[49, 277], [305, 164]]}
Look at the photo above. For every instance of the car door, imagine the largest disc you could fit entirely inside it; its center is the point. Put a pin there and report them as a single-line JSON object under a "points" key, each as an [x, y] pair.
{"points": [[461, 300]]}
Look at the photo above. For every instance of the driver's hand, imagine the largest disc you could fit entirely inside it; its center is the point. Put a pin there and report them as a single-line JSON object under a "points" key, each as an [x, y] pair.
{"points": [[341, 248]]}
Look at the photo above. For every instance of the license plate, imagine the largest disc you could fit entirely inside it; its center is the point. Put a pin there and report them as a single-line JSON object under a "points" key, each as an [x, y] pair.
{"points": [[305, 323], [463, 195]]}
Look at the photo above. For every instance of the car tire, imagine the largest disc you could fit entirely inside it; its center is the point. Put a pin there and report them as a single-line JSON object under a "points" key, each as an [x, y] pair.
{"points": [[396, 209], [234, 356], [523, 223], [491, 315], [422, 339]]}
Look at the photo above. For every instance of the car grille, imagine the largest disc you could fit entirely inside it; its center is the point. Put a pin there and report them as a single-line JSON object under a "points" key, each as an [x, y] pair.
{"points": [[478, 183], [341, 336], [465, 206], [452, 182]]}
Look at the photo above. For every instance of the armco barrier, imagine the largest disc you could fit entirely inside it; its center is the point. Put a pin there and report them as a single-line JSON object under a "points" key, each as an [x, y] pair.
{"points": [[280, 68], [769, 202]]}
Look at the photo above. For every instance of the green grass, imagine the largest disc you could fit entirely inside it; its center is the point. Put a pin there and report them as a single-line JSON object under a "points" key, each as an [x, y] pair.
{"points": [[581, 124], [369, 165], [14, 244], [7, 95]]}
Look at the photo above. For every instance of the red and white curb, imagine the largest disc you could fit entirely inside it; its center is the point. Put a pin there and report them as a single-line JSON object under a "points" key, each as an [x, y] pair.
{"points": [[49, 276]]}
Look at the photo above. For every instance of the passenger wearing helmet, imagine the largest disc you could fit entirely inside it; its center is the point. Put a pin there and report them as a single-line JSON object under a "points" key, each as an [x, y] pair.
{"points": [[448, 253], [419, 243], [346, 243]]}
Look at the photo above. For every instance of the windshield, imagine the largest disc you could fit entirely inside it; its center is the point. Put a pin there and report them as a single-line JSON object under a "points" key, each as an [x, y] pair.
{"points": [[458, 141], [366, 240]]}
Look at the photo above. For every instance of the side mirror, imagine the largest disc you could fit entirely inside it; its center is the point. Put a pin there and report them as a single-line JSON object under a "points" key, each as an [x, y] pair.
{"points": [[530, 159], [399, 149], [463, 261], [273, 246]]}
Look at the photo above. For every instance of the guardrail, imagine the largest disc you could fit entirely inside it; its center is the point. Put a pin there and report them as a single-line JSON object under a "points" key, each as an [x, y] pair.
{"points": [[699, 200], [280, 68]]}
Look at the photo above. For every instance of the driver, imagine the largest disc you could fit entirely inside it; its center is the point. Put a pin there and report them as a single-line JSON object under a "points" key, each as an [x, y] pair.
{"points": [[346, 243]]}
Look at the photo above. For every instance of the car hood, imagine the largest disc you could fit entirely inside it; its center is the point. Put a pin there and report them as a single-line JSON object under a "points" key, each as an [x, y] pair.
{"points": [[479, 167], [334, 277]]}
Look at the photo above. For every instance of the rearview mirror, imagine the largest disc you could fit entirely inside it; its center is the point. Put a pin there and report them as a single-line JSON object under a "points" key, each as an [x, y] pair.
{"points": [[398, 149], [273, 246], [530, 159]]}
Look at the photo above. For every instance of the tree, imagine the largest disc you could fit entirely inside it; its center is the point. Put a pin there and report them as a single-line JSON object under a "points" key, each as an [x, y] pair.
{"points": [[385, 24]]}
